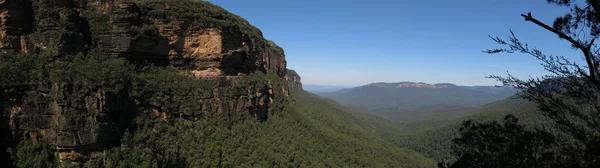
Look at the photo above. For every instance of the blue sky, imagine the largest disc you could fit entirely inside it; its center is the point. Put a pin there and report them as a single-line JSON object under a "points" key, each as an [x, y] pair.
{"points": [[352, 42]]}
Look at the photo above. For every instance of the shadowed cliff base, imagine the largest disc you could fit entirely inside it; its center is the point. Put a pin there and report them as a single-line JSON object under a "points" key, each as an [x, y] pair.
{"points": [[182, 59]]}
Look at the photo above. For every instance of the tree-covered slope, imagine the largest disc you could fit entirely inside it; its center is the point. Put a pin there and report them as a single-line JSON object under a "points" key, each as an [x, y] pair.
{"points": [[308, 132], [315, 132], [432, 135], [76, 72]]}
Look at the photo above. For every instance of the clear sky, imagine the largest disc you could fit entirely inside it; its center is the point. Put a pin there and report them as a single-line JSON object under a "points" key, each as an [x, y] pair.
{"points": [[356, 42]]}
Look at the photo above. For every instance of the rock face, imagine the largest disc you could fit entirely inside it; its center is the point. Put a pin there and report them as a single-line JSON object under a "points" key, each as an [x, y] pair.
{"points": [[294, 79], [196, 36], [13, 23]]}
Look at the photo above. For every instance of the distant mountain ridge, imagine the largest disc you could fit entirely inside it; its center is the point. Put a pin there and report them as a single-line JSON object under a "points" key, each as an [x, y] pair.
{"points": [[323, 88], [412, 84], [436, 86], [406, 99], [490, 89]]}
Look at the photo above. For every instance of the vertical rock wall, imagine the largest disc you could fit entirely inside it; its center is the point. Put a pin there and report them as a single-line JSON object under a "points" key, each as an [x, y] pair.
{"points": [[212, 44]]}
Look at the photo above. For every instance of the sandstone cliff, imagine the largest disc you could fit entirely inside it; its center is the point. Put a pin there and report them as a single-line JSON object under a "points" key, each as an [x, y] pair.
{"points": [[294, 79], [197, 37]]}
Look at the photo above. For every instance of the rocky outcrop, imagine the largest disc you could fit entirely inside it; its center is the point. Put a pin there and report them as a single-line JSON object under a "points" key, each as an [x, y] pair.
{"points": [[195, 36], [208, 51], [294, 79], [15, 20]]}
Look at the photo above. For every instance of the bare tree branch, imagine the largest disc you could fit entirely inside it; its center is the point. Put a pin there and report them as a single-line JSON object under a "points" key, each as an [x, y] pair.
{"points": [[585, 49]]}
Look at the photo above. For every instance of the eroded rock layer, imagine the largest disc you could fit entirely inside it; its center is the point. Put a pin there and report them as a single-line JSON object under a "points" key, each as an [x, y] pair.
{"points": [[195, 36]]}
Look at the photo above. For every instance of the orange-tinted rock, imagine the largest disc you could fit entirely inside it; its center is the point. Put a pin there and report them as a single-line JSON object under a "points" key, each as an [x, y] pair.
{"points": [[293, 79], [13, 22], [207, 50]]}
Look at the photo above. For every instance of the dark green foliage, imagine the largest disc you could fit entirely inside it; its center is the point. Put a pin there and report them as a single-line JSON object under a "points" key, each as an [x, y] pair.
{"points": [[314, 133], [92, 163], [21, 69], [58, 31], [432, 135], [79, 76], [67, 81], [280, 102], [32, 153], [71, 80], [74, 77], [200, 12], [169, 90], [568, 96], [92, 72], [491, 144], [153, 145]]}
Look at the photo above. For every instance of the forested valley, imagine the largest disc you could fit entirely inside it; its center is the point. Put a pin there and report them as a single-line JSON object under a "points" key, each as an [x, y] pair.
{"points": [[186, 83]]}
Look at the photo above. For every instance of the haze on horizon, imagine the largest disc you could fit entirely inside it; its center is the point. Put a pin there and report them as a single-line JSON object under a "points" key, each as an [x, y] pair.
{"points": [[350, 44]]}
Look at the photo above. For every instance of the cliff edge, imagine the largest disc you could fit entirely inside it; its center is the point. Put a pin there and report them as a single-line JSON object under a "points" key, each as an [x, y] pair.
{"points": [[193, 36]]}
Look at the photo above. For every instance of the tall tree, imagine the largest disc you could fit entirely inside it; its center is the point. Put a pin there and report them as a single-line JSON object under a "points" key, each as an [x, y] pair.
{"points": [[570, 94], [495, 145]]}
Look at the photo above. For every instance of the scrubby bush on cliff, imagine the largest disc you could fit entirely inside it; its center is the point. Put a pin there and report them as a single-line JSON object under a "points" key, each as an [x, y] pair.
{"points": [[151, 145], [17, 69], [78, 77], [34, 153], [70, 78], [169, 90], [33, 81], [203, 13], [73, 81]]}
